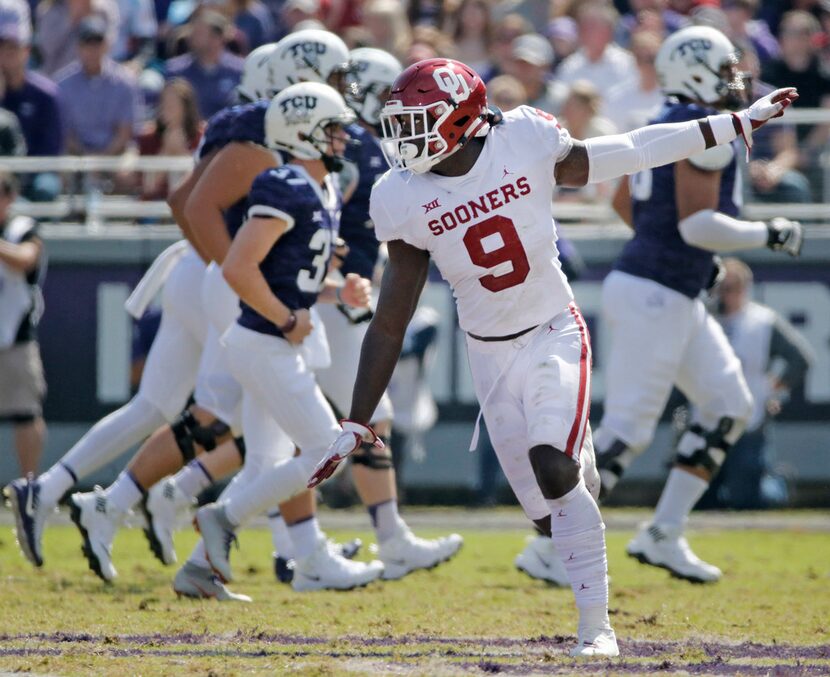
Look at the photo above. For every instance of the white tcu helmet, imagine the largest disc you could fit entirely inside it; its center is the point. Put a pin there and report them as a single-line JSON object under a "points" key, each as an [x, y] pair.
{"points": [[297, 118], [375, 71], [308, 56], [699, 62], [258, 74]]}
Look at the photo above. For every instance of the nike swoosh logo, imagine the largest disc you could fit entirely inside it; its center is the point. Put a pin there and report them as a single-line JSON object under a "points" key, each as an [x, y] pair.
{"points": [[29, 508], [311, 578]]}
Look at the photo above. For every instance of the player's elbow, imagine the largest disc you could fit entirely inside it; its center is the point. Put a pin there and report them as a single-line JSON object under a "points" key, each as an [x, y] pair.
{"points": [[694, 229], [234, 273]]}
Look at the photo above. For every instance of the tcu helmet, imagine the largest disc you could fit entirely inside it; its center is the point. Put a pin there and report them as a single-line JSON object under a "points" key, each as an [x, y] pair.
{"points": [[258, 74], [309, 56], [297, 118], [375, 71], [435, 107], [699, 63]]}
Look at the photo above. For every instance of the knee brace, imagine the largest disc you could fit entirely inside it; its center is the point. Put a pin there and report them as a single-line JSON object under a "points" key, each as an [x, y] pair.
{"points": [[612, 462], [240, 446], [367, 455], [707, 449], [187, 431]]}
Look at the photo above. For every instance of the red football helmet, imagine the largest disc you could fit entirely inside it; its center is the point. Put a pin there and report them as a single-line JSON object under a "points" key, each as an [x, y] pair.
{"points": [[435, 107]]}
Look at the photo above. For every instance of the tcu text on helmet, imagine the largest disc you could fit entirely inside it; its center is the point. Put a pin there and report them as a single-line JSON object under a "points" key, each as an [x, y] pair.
{"points": [[298, 108], [693, 50]]}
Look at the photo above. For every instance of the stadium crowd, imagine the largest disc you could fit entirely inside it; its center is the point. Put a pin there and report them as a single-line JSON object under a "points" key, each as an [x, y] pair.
{"points": [[105, 77]]}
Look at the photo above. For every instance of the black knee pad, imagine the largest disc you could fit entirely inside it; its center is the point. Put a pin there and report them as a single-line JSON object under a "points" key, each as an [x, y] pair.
{"points": [[181, 428], [206, 436], [707, 449], [556, 472], [611, 464], [240, 445], [367, 455]]}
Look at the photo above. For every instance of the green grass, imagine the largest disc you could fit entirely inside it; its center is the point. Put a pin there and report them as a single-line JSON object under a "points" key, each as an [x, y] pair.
{"points": [[776, 592]]}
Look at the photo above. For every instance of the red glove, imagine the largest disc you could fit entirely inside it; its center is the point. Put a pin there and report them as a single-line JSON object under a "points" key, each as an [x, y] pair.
{"points": [[353, 436]]}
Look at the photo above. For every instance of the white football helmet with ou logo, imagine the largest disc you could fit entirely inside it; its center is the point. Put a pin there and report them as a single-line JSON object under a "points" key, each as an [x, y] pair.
{"points": [[375, 71], [700, 63], [309, 56], [258, 74], [297, 119]]}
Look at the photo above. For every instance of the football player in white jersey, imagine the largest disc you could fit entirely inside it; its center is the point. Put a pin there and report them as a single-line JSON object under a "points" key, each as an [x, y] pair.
{"points": [[473, 191], [661, 333]]}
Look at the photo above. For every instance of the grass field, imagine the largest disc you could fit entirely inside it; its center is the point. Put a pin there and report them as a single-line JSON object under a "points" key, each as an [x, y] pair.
{"points": [[474, 615]]}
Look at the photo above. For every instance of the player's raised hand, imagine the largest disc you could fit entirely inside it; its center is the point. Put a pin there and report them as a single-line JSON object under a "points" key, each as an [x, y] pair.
{"points": [[353, 436], [763, 110], [301, 329], [357, 291]]}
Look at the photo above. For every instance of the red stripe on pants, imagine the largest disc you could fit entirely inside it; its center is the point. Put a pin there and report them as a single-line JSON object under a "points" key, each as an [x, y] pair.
{"points": [[580, 421]]}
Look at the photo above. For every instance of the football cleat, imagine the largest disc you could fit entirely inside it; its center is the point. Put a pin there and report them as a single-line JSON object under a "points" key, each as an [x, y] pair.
{"points": [[97, 522], [23, 498], [162, 506], [540, 560], [218, 535], [664, 546], [326, 569], [201, 583], [596, 642], [284, 568], [405, 553]]}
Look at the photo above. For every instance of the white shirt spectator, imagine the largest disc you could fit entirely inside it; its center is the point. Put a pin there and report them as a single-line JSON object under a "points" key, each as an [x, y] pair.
{"points": [[616, 66], [630, 107]]}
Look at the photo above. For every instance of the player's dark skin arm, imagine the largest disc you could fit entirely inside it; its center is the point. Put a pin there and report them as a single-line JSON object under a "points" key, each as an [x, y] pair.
{"points": [[621, 202], [403, 281], [177, 199]]}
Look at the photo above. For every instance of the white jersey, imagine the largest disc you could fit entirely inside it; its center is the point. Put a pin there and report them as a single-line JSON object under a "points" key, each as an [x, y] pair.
{"points": [[490, 231]]}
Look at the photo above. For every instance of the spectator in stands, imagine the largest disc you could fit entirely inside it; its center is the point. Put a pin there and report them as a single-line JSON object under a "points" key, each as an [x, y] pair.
{"points": [[12, 142], [743, 27], [505, 31], [22, 385], [564, 38], [386, 21], [535, 12], [506, 93], [293, 12], [427, 43], [98, 97], [472, 34], [798, 66], [532, 58], [212, 70], [137, 30], [775, 359], [644, 12], [57, 26], [628, 105], [253, 21], [176, 130], [598, 60], [426, 13], [33, 99]]}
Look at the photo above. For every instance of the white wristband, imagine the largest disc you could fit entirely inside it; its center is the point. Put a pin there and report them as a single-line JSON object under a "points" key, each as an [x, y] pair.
{"points": [[723, 128]]}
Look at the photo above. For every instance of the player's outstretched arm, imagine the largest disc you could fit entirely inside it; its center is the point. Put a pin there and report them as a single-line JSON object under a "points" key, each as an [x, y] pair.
{"points": [[403, 280], [604, 158], [226, 180]]}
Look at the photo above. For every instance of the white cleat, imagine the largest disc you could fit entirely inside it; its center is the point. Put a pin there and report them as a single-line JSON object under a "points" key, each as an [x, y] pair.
{"points": [[327, 569], [596, 642], [201, 583], [97, 522], [540, 560], [405, 553], [664, 546], [164, 507], [217, 534]]}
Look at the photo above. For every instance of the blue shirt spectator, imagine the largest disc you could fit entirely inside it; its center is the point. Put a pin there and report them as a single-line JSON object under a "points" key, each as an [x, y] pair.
{"points": [[137, 29], [98, 97], [212, 70]]}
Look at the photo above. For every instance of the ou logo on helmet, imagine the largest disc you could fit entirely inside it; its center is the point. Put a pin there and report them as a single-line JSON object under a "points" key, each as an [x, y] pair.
{"points": [[452, 83]]}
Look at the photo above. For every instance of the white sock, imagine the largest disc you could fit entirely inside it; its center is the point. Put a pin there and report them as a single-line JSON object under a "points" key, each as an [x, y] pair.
{"points": [[275, 484], [280, 537], [124, 493], [112, 436], [386, 520], [193, 479], [54, 483], [199, 556], [579, 536], [679, 496], [306, 536]]}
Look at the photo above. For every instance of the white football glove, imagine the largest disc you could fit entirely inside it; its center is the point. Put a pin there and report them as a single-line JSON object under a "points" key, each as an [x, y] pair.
{"points": [[785, 235], [350, 440], [763, 110]]}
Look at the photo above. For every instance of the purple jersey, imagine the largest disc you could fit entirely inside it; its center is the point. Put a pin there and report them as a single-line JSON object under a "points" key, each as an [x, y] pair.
{"points": [[657, 251], [296, 266]]}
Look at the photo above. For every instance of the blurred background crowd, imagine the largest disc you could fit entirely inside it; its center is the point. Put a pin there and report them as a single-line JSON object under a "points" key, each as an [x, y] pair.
{"points": [[105, 77]]}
